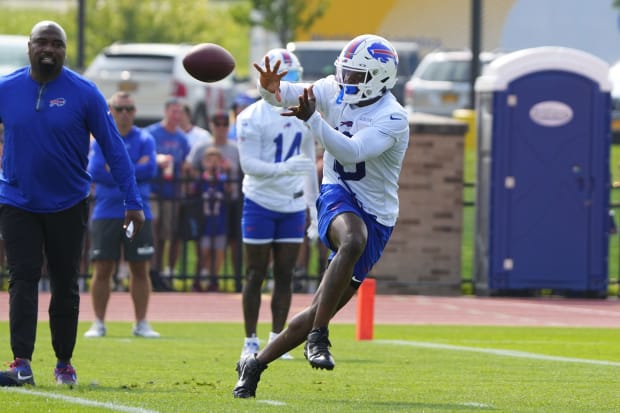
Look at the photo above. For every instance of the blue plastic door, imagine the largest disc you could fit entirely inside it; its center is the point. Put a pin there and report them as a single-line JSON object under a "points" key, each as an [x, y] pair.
{"points": [[544, 183]]}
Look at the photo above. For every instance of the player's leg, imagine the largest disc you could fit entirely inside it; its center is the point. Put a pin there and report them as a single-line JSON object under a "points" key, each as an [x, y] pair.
{"points": [[348, 236], [258, 226]]}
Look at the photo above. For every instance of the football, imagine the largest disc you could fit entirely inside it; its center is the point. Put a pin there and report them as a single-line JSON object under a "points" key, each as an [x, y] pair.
{"points": [[209, 62]]}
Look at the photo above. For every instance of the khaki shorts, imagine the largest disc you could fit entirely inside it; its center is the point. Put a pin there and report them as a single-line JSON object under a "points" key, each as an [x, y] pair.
{"points": [[165, 218]]}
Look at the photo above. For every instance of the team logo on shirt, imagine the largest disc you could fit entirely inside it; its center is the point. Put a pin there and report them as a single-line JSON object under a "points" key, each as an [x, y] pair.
{"points": [[59, 102]]}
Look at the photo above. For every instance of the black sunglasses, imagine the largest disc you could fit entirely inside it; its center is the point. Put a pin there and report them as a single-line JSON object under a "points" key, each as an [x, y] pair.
{"points": [[124, 108]]}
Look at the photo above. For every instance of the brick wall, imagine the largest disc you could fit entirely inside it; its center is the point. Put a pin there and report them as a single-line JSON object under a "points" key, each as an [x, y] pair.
{"points": [[424, 253]]}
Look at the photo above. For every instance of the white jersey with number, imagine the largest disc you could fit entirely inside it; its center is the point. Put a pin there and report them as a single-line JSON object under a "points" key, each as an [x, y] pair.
{"points": [[364, 146], [265, 138]]}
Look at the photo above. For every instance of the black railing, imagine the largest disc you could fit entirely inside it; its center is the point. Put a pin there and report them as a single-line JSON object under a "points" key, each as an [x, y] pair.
{"points": [[187, 271]]}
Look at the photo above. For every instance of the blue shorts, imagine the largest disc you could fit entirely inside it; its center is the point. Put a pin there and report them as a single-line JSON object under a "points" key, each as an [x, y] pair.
{"points": [[335, 200], [263, 226]]}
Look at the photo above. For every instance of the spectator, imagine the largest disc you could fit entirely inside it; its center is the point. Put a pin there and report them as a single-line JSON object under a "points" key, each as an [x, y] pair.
{"points": [[215, 190], [280, 182], [191, 207], [194, 133], [220, 124], [49, 112], [106, 238], [172, 148]]}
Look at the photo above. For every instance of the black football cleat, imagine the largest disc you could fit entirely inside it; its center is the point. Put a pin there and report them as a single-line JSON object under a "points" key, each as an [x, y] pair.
{"points": [[317, 349], [249, 370]]}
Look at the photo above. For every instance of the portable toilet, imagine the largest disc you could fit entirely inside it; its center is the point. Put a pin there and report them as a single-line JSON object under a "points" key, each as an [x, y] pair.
{"points": [[543, 179]]}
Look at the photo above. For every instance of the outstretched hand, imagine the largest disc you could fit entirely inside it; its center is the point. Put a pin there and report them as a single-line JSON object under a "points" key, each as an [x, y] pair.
{"points": [[270, 78], [306, 107]]}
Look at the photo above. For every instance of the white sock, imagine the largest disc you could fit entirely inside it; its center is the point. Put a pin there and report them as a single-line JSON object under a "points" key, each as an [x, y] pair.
{"points": [[252, 339], [272, 336]]}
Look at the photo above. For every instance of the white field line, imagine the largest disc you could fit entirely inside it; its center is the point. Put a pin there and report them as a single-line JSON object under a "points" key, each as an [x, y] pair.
{"points": [[497, 352], [271, 402], [76, 400]]}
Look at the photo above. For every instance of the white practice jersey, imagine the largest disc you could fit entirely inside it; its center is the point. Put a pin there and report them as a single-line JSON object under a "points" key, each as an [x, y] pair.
{"points": [[265, 138], [364, 146]]}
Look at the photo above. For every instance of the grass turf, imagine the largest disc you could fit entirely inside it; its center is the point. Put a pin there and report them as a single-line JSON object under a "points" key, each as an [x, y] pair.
{"points": [[405, 369]]}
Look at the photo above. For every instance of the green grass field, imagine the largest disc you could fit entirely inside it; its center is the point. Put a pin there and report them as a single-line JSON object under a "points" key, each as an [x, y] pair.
{"points": [[404, 369]]}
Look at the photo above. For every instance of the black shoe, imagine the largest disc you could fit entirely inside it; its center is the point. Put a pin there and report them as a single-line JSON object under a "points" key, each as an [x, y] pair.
{"points": [[317, 349], [249, 370], [18, 374]]}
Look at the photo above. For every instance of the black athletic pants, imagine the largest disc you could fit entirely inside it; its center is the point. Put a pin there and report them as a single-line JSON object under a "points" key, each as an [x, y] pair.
{"points": [[28, 237]]}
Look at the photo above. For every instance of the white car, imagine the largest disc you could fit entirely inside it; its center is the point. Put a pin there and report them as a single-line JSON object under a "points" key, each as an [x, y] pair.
{"points": [[441, 83], [13, 53], [153, 73]]}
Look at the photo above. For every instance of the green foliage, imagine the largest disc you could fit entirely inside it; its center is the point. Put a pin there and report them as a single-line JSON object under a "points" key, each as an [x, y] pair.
{"points": [[284, 17], [160, 21], [405, 369]]}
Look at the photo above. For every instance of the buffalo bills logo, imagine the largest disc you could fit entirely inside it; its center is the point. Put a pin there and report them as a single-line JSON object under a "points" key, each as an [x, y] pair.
{"points": [[382, 53], [59, 102]]}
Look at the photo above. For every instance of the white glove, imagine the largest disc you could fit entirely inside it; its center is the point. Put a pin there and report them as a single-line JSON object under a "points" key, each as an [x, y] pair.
{"points": [[313, 229], [296, 165]]}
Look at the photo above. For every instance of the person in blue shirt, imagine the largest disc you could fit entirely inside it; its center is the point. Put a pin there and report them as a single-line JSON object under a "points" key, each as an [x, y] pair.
{"points": [[49, 113], [106, 237], [172, 148]]}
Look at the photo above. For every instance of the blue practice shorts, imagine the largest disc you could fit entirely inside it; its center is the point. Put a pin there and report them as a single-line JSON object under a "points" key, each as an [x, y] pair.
{"points": [[335, 200], [263, 226]]}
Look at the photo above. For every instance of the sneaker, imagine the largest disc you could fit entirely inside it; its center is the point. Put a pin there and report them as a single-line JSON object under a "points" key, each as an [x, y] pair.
{"points": [[316, 349], [18, 374], [96, 330], [143, 329], [285, 356], [65, 374], [250, 347], [249, 370]]}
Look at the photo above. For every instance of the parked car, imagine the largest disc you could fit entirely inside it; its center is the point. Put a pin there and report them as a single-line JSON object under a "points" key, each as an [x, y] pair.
{"points": [[154, 73], [318, 56], [13, 53], [614, 77], [440, 84]]}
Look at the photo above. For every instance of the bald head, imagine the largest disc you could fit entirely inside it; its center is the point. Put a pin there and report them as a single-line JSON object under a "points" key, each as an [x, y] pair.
{"points": [[46, 26], [46, 50]]}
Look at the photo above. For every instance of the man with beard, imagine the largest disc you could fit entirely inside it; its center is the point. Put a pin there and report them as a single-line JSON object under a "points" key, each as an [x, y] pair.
{"points": [[49, 113]]}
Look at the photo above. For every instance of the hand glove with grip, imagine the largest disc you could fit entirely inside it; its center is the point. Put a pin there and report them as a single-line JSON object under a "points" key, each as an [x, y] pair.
{"points": [[295, 165], [313, 229]]}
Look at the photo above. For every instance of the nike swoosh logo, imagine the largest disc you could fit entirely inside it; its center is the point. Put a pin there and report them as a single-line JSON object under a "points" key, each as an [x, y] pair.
{"points": [[392, 117], [20, 377]]}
